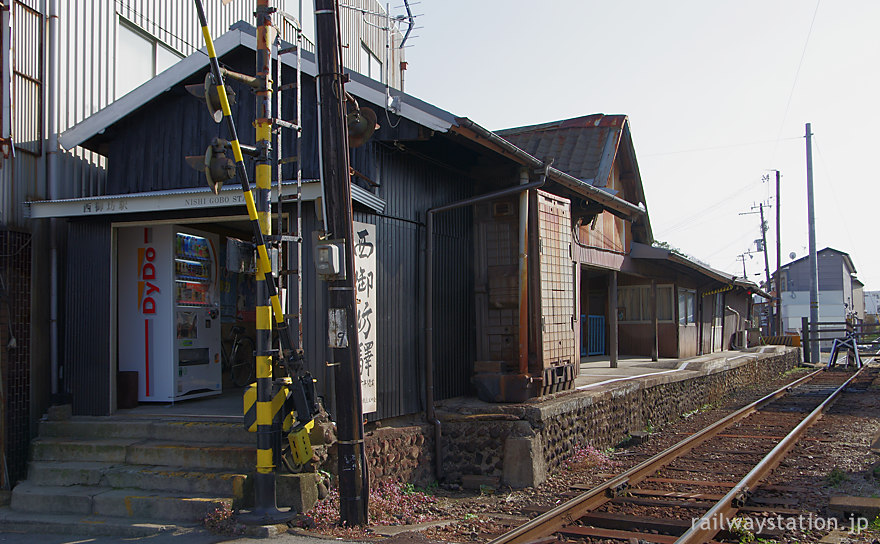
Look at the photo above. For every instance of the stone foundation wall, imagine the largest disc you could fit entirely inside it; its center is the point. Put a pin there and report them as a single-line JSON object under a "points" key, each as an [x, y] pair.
{"points": [[607, 420], [398, 453], [519, 444], [521, 447]]}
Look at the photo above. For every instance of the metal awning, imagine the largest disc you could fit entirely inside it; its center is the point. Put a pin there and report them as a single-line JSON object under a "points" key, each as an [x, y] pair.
{"points": [[178, 199]]}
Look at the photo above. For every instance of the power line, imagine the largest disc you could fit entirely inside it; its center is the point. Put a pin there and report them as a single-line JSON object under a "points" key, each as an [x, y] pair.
{"points": [[794, 83], [830, 185], [717, 147], [690, 219]]}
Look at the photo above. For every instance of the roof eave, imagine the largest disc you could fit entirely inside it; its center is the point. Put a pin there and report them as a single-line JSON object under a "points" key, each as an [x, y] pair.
{"points": [[117, 110], [360, 86], [643, 251], [474, 132]]}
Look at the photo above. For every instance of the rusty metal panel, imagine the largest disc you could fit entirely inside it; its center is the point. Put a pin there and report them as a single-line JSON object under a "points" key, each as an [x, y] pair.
{"points": [[497, 280], [557, 280], [582, 147]]}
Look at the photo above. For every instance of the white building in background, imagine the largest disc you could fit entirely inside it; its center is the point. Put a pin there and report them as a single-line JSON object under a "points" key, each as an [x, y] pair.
{"points": [[840, 292], [872, 304]]}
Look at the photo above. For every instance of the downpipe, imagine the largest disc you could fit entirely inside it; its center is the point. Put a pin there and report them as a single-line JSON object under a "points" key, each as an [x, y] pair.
{"points": [[53, 192], [743, 334], [430, 412]]}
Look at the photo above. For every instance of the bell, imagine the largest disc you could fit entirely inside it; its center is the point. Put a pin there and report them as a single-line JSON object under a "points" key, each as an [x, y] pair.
{"points": [[361, 125], [210, 95], [217, 167]]}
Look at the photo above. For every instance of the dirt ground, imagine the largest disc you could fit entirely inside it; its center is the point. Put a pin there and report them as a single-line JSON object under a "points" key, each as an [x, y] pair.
{"points": [[834, 459]]}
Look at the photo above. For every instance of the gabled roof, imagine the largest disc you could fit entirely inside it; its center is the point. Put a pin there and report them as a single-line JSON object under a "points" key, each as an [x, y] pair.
{"points": [[431, 117], [586, 148], [242, 34], [843, 254]]}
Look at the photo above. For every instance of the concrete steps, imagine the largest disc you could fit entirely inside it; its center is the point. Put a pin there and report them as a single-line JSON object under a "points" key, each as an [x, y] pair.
{"points": [[155, 477], [146, 472], [106, 501], [29, 522]]}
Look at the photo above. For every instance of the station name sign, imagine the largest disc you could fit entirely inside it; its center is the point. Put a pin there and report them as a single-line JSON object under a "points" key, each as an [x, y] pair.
{"points": [[149, 202]]}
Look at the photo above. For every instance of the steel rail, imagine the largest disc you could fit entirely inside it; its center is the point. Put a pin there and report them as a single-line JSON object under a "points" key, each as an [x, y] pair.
{"points": [[713, 521], [568, 512]]}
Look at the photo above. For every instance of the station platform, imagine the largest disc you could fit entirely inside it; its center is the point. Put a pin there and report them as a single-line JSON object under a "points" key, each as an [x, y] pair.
{"points": [[521, 443], [596, 371]]}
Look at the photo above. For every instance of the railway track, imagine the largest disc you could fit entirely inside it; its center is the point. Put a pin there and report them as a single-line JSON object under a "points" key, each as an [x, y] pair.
{"points": [[694, 490]]}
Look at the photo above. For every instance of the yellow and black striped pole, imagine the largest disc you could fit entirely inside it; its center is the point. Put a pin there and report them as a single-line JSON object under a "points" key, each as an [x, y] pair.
{"points": [[268, 302]]}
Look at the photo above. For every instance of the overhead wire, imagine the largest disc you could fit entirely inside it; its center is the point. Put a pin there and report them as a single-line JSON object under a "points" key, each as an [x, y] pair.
{"points": [[687, 221], [794, 83], [830, 185], [718, 147]]}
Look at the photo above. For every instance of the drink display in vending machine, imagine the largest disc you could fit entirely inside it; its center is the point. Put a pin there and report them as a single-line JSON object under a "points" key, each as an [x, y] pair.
{"points": [[170, 275]]}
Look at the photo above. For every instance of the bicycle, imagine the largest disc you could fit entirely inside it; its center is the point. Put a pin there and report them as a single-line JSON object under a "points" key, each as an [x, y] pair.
{"points": [[240, 359]]}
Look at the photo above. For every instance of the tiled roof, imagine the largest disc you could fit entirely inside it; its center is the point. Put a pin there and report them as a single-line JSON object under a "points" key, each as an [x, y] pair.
{"points": [[583, 147]]}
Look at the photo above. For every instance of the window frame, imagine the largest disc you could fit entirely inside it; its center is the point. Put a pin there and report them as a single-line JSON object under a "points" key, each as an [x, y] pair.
{"points": [[367, 53], [689, 295], [155, 43]]}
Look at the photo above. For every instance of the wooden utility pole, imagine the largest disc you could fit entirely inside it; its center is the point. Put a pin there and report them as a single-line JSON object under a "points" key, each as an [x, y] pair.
{"points": [[342, 317], [814, 262], [766, 266]]}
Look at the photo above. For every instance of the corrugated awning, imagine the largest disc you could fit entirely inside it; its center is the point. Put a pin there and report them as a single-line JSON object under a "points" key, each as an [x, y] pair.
{"points": [[178, 199]]}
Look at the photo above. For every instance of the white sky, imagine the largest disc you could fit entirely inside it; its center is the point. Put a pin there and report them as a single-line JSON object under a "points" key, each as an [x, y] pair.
{"points": [[706, 86]]}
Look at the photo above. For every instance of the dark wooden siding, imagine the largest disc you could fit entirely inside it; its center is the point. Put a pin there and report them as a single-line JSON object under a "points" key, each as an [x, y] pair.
{"points": [[179, 125], [147, 148], [410, 186], [87, 372], [638, 339]]}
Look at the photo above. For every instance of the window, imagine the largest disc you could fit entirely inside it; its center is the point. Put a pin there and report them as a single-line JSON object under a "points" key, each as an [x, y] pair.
{"points": [[139, 57], [687, 299], [371, 66], [26, 99], [634, 303]]}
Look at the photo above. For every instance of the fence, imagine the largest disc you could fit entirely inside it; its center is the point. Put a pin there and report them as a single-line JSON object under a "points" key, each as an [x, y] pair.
{"points": [[867, 335]]}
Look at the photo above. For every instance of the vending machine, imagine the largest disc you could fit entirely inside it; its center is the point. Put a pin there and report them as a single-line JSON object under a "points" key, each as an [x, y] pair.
{"points": [[169, 311]]}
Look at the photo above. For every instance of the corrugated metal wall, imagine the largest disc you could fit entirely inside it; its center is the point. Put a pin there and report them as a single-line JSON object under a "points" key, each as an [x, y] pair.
{"points": [[87, 75], [361, 25], [87, 324]]}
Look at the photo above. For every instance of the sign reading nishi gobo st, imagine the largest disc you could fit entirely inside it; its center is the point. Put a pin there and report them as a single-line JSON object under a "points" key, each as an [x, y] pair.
{"points": [[365, 291]]}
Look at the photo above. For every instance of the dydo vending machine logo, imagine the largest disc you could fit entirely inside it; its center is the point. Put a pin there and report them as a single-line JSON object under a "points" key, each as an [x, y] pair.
{"points": [[147, 289]]}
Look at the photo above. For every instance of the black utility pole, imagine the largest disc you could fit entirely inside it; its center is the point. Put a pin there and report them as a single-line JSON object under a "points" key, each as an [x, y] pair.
{"points": [[778, 300], [342, 316]]}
